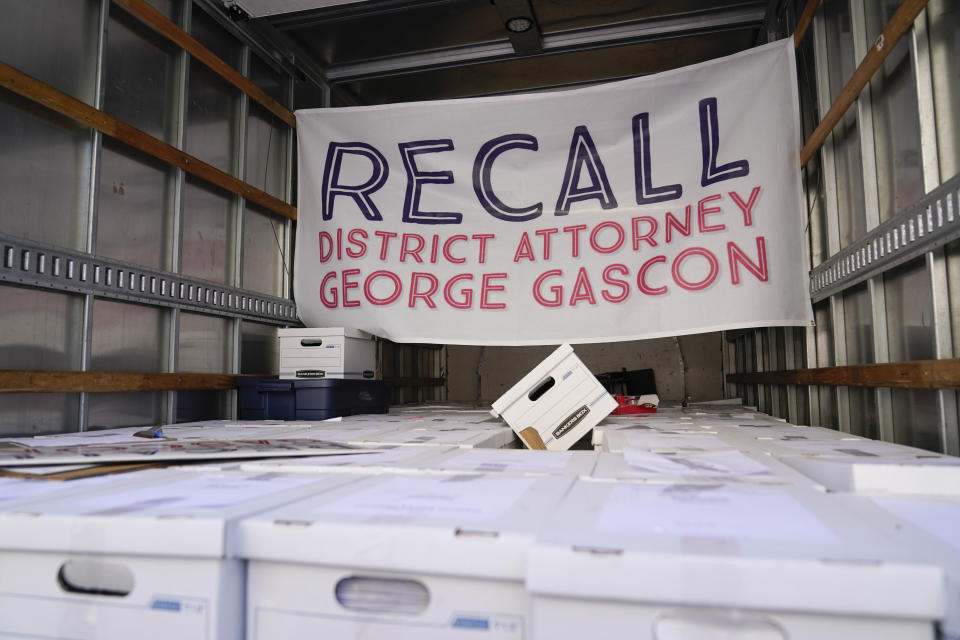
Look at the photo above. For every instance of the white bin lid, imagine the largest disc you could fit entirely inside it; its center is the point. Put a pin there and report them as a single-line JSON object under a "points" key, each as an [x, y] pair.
{"points": [[173, 513], [467, 525], [322, 332], [750, 547]]}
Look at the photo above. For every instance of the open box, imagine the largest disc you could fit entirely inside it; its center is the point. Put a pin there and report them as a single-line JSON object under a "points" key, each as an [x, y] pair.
{"points": [[555, 404]]}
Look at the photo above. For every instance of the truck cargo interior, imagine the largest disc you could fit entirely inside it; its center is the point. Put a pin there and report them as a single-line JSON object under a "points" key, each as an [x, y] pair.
{"points": [[152, 184]]}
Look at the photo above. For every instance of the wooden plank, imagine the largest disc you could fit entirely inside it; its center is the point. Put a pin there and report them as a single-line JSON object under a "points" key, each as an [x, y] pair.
{"points": [[899, 24], [804, 22], [408, 381], [160, 23], [917, 374], [41, 93], [109, 382]]}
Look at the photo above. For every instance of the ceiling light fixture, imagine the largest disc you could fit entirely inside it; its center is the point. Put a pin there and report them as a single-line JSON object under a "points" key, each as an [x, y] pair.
{"points": [[520, 24]]}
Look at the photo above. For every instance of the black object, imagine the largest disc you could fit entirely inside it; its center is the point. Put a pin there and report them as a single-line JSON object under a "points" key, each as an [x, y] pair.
{"points": [[629, 383], [317, 399]]}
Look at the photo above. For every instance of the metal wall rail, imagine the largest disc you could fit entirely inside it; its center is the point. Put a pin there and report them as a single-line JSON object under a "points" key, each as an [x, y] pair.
{"points": [[25, 262], [931, 222]]}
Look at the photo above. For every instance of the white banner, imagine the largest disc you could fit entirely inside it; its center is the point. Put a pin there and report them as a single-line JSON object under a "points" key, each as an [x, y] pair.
{"points": [[658, 206]]}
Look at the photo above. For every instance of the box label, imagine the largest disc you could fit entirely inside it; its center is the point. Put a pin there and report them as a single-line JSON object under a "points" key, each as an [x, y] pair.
{"points": [[572, 421]]}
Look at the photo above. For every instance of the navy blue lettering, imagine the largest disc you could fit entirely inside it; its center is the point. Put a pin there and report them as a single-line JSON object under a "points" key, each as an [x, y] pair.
{"points": [[643, 166], [417, 177], [483, 186], [360, 193], [710, 145], [583, 154]]}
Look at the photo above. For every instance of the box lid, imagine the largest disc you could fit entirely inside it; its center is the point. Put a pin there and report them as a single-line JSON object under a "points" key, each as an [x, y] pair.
{"points": [[466, 525], [528, 381], [750, 467], [768, 548], [321, 332], [174, 513], [515, 462], [924, 474], [394, 459]]}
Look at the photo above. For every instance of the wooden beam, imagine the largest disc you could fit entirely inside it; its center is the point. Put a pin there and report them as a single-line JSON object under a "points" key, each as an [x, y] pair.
{"points": [[160, 23], [899, 24], [406, 381], [109, 382], [918, 374], [804, 22], [66, 105]]}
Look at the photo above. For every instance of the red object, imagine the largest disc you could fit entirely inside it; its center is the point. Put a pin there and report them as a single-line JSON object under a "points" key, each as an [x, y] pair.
{"points": [[627, 408]]}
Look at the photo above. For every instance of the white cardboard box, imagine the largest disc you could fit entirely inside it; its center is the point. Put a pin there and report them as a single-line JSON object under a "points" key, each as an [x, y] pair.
{"points": [[465, 436], [327, 352], [723, 562], [559, 399], [398, 557], [731, 465], [370, 461], [926, 474], [514, 462], [148, 557]]}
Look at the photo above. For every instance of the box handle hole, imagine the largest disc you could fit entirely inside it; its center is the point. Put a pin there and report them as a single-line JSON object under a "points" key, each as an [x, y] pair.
{"points": [[382, 595], [541, 389], [311, 342], [94, 577]]}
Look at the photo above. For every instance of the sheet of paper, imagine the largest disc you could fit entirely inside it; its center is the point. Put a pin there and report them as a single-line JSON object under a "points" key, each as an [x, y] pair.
{"points": [[846, 448], [86, 438], [472, 497], [16, 488], [432, 435], [359, 458], [940, 518], [152, 450], [675, 441], [717, 511], [709, 463], [203, 492], [507, 460]]}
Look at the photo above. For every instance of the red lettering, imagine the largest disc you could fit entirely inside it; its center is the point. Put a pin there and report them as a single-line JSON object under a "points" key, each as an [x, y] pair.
{"points": [[426, 296], [557, 291], [706, 282], [483, 237], [347, 284], [574, 231], [467, 293], [609, 224], [329, 304], [545, 234], [352, 238], [672, 223], [449, 243], [524, 249], [738, 257], [624, 286], [746, 207], [642, 277], [582, 289], [434, 249], [407, 251], [368, 288], [384, 242], [325, 255], [703, 212], [648, 236], [486, 289]]}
